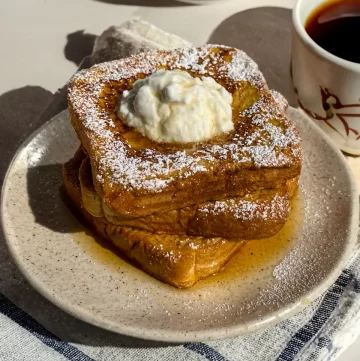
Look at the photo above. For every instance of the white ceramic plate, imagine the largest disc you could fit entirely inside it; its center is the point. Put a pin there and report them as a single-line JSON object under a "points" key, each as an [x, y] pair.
{"points": [[267, 282]]}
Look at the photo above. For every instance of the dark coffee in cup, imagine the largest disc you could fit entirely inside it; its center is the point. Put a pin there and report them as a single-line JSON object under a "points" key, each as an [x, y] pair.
{"points": [[335, 26]]}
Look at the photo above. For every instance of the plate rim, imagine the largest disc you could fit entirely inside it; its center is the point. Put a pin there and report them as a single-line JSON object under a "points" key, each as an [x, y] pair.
{"points": [[214, 333]]}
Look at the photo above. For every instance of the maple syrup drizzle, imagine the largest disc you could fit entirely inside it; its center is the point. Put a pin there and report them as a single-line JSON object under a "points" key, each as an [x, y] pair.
{"points": [[263, 253], [254, 257]]}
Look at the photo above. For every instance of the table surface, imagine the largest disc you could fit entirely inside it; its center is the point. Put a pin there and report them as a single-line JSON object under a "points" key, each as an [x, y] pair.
{"points": [[41, 39]]}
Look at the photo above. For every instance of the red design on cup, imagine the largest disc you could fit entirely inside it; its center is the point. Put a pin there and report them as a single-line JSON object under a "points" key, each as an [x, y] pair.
{"points": [[330, 102]]}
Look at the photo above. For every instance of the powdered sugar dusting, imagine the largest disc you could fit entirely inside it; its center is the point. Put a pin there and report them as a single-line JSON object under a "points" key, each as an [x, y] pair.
{"points": [[280, 100], [264, 145], [153, 171], [250, 209], [242, 67]]}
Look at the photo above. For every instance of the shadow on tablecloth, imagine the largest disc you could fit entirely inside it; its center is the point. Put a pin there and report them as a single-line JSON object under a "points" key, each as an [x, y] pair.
{"points": [[265, 35], [79, 45]]}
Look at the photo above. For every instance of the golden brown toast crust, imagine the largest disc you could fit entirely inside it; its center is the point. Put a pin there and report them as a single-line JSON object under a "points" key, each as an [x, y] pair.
{"points": [[260, 214], [292, 186], [178, 260], [137, 177]]}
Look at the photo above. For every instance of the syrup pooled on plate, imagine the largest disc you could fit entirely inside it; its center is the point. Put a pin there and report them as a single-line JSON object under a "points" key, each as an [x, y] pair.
{"points": [[335, 26], [254, 257], [261, 254]]}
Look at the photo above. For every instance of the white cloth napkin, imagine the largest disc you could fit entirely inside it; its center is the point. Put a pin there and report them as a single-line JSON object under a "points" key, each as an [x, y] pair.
{"points": [[318, 333]]}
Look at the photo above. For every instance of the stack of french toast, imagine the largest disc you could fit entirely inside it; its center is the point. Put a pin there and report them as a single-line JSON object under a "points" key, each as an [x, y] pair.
{"points": [[180, 211]]}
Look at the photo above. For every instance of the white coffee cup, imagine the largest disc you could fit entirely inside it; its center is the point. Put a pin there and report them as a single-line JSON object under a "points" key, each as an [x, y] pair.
{"points": [[328, 87]]}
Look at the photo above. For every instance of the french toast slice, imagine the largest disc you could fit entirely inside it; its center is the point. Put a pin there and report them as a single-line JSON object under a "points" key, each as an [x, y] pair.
{"points": [[136, 177], [178, 260], [260, 214]]}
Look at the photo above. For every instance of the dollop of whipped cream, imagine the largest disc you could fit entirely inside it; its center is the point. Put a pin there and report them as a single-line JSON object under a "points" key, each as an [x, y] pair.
{"points": [[172, 106]]}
